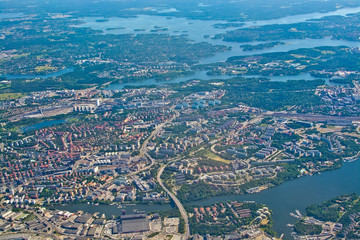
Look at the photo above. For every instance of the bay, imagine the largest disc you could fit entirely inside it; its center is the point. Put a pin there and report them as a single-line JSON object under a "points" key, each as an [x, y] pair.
{"points": [[195, 29], [178, 26]]}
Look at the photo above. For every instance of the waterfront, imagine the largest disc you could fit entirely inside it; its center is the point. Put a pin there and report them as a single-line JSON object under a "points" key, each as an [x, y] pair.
{"points": [[201, 75], [299, 193], [303, 17], [145, 24], [289, 45], [44, 76], [110, 210], [189, 27], [289, 196], [97, 149], [286, 198]]}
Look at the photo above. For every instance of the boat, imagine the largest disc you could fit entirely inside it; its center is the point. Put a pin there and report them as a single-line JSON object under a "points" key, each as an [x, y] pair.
{"points": [[294, 215]]}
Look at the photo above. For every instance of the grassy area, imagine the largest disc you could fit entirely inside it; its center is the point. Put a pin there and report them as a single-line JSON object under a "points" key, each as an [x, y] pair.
{"points": [[10, 96], [153, 234], [22, 216], [330, 129], [72, 119], [4, 86], [46, 68], [17, 56], [29, 218], [215, 157]]}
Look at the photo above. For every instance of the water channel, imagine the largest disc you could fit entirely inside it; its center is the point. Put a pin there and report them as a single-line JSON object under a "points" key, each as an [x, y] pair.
{"points": [[201, 75], [288, 197]]}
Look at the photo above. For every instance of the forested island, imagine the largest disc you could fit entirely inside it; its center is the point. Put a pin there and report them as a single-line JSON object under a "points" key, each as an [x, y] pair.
{"points": [[262, 46]]}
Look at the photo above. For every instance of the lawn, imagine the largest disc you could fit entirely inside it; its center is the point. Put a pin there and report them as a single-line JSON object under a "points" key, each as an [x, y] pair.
{"points": [[215, 157], [10, 96]]}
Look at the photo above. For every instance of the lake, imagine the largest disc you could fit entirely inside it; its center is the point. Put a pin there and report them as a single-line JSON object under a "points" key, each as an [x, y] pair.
{"points": [[41, 125]]}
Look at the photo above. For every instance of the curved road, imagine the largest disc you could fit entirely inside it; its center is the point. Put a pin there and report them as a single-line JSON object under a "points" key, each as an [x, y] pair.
{"points": [[143, 148], [143, 152], [181, 208]]}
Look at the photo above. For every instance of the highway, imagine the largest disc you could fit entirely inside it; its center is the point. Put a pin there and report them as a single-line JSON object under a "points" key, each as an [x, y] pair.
{"points": [[143, 150], [179, 205]]}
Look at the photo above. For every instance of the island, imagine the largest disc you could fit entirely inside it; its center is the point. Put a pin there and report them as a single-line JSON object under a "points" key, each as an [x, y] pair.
{"points": [[261, 46]]}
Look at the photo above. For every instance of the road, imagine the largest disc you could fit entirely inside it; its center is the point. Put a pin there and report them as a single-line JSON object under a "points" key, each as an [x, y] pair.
{"points": [[244, 125], [143, 149], [309, 116], [27, 235], [179, 205], [143, 152], [21, 234], [48, 224]]}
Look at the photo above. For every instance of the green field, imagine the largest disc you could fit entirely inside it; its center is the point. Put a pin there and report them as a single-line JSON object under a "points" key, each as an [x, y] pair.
{"points": [[215, 157], [10, 96]]}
